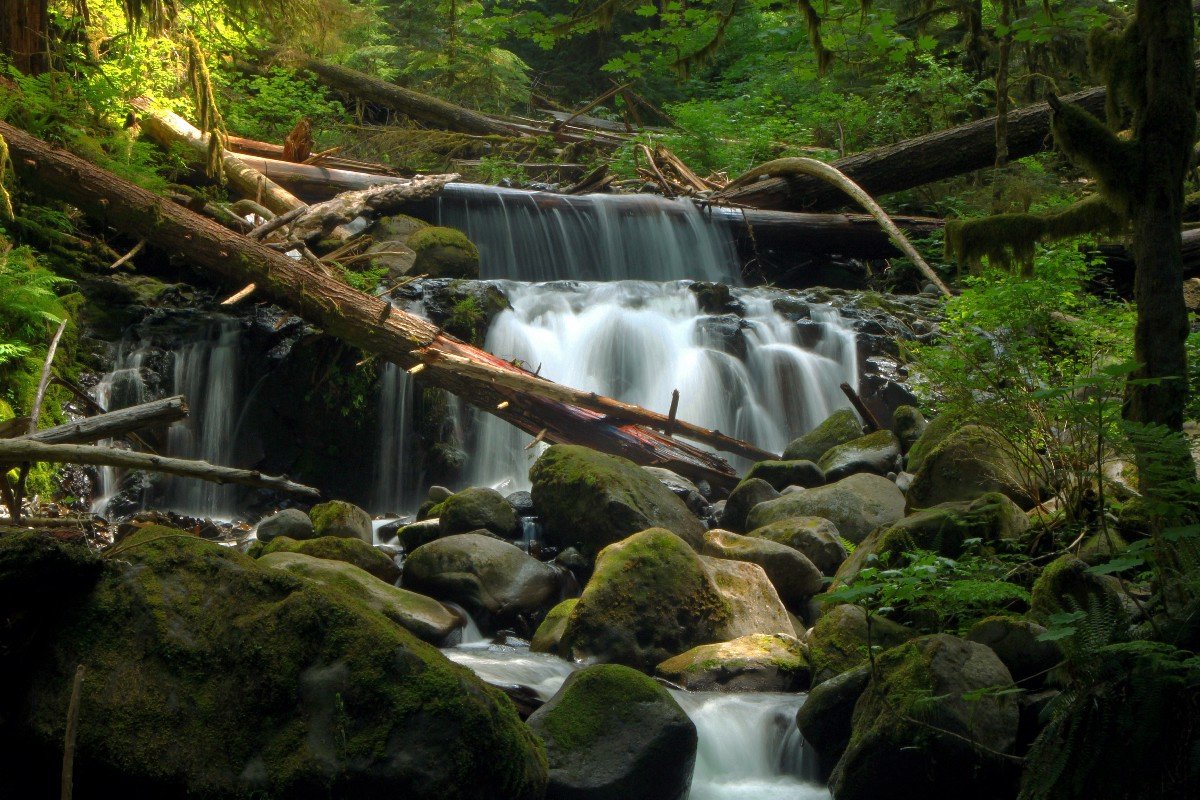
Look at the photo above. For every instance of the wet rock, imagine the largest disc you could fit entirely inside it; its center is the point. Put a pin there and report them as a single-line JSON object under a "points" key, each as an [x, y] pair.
{"points": [[483, 574], [825, 718], [920, 689], [416, 534], [652, 597], [877, 453], [684, 489], [590, 500], [291, 522], [443, 253], [838, 642], [335, 548], [908, 423], [548, 635], [841, 427], [817, 538], [522, 503], [794, 577], [339, 518], [856, 505], [781, 474], [756, 663], [424, 617], [1015, 642], [716, 298], [745, 496], [612, 733], [725, 333], [209, 675], [969, 462], [477, 508]]}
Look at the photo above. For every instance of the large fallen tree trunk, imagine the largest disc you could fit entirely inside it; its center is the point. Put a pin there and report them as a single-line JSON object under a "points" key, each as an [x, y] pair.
{"points": [[17, 451], [918, 161], [371, 323], [422, 107], [113, 424]]}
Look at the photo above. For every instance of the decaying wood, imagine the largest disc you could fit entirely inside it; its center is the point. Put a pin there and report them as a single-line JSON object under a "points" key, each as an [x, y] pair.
{"points": [[322, 218], [871, 423], [356, 317], [15, 451], [113, 424], [253, 147]]}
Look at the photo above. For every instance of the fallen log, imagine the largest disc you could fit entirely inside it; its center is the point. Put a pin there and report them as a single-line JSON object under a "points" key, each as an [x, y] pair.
{"points": [[361, 319], [113, 424], [416, 105], [15, 451], [320, 219], [916, 162], [253, 147]]}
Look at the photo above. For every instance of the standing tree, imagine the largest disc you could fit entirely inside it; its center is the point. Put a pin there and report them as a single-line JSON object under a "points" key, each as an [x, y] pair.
{"points": [[24, 34]]}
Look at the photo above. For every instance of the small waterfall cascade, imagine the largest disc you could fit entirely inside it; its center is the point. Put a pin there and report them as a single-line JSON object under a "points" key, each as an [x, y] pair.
{"points": [[501, 665], [122, 387], [758, 377], [537, 236], [396, 481]]}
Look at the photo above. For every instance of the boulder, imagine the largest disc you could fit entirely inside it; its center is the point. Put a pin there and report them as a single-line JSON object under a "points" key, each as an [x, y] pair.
{"points": [[745, 496], [590, 500], [522, 503], [781, 474], [443, 253], [908, 423], [1066, 585], [210, 675], [334, 548], [943, 529], [856, 505], [651, 596], [825, 718], [877, 453], [483, 574], [477, 508], [817, 538], [548, 635], [971, 461], [920, 728], [932, 434], [756, 663], [291, 522], [339, 518], [838, 642], [612, 733], [421, 616], [418, 533], [842, 426], [794, 577], [1015, 642]]}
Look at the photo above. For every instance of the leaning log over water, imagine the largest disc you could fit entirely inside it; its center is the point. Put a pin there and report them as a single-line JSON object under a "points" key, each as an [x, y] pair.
{"points": [[113, 424], [367, 321]]}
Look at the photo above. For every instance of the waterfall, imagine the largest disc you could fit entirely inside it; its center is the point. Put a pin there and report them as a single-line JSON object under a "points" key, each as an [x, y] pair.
{"points": [[753, 377], [536, 236], [396, 479], [122, 387]]}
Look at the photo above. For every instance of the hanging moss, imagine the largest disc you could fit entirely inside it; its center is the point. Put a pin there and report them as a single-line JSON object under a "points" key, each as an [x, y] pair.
{"points": [[1096, 149]]}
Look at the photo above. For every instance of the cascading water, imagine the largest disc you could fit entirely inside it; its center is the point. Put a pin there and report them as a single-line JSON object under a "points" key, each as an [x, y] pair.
{"points": [[536, 236], [396, 483], [754, 377], [124, 386]]}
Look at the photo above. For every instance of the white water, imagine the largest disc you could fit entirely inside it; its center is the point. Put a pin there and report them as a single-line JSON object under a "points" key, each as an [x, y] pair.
{"points": [[396, 479], [637, 341], [535, 236]]}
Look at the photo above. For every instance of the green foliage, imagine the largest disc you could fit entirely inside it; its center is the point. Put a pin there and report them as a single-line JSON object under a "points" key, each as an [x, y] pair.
{"points": [[267, 106], [29, 308]]}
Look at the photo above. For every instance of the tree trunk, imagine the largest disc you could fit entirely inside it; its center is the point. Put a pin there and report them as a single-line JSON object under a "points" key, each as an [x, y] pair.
{"points": [[25, 34], [371, 323], [919, 161], [114, 424]]}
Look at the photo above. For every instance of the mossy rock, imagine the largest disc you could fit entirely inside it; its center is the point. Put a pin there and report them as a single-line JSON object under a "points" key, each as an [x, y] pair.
{"points": [[744, 497], [337, 548], [390, 248], [756, 663], [794, 577], [934, 433], [816, 537], [782, 474], [971, 461], [840, 427], [424, 617], [477, 508], [549, 634], [825, 718], [1102, 546], [444, 253], [877, 453], [209, 675], [414, 535], [908, 424], [1066, 585], [291, 522], [920, 727], [590, 500], [856, 505], [612, 733], [339, 518], [1015, 642], [838, 642]]}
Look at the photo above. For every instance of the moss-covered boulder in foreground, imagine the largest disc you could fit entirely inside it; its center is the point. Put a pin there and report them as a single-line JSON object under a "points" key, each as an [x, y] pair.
{"points": [[794, 577], [841, 427], [782, 474], [652, 597], [477, 508], [590, 500], [971, 461], [339, 518], [856, 505], [209, 675], [744, 497], [443, 253], [756, 663], [336, 548], [827, 713], [877, 453], [932, 434], [838, 642], [817, 538], [927, 726], [612, 733], [548, 635]]}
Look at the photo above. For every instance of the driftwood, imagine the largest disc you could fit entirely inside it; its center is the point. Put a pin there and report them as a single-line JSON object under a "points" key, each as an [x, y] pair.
{"points": [[113, 424], [361, 319], [14, 451], [322, 218]]}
